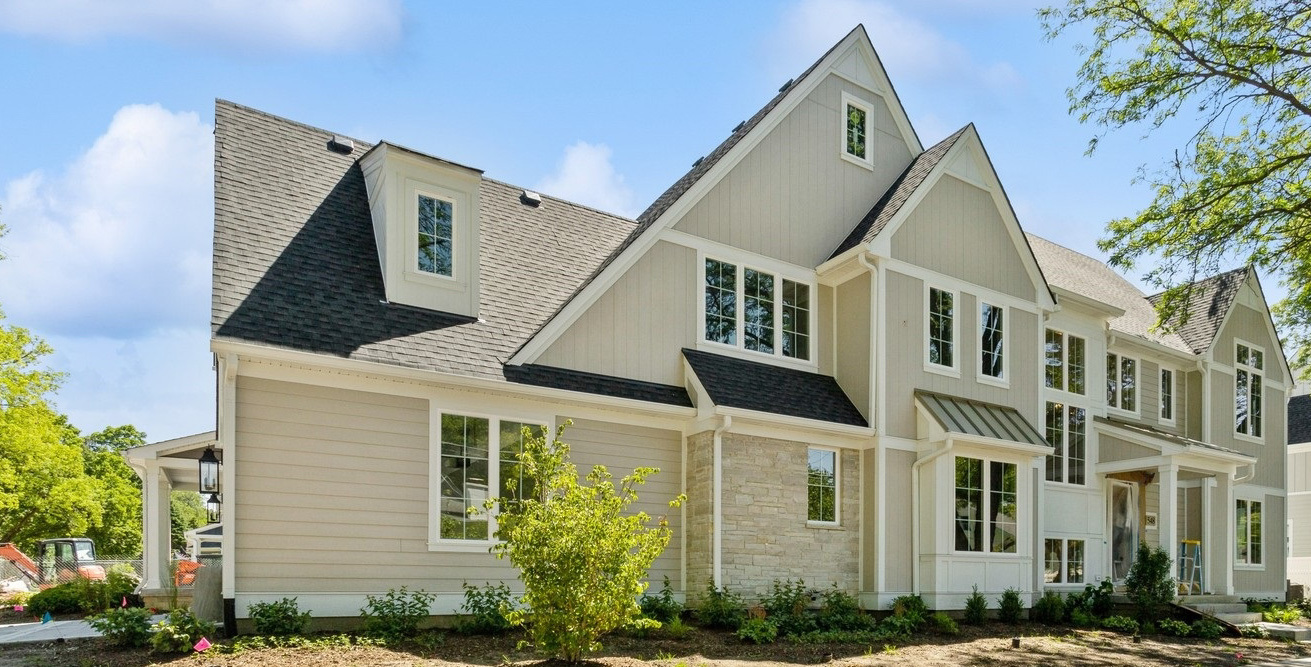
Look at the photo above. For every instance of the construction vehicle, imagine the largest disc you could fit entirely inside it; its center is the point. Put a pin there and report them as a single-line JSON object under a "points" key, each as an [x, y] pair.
{"points": [[58, 561]]}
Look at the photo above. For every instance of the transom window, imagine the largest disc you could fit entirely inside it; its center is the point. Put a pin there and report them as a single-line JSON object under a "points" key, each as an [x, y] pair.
{"points": [[1249, 368], [821, 485], [1122, 382], [1067, 433], [1064, 561], [1249, 532], [942, 328], [1066, 362], [989, 527], [1167, 395], [436, 236], [766, 302], [855, 135], [479, 458], [991, 344]]}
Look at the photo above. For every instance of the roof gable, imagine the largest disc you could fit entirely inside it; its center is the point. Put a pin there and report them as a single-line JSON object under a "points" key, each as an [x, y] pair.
{"points": [[1198, 321]]}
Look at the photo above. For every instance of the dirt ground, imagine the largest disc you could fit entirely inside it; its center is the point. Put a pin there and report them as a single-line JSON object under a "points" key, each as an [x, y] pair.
{"points": [[988, 645]]}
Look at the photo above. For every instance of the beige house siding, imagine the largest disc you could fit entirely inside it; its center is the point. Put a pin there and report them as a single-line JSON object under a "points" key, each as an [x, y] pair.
{"points": [[1271, 453], [636, 329], [957, 230], [793, 197], [1193, 415], [896, 530], [1299, 533], [853, 341], [1299, 472], [1111, 449], [1270, 578]]}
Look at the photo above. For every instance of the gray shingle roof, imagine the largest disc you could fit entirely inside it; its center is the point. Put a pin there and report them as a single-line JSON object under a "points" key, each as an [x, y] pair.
{"points": [[1199, 320], [891, 202], [751, 385], [296, 265], [1299, 419], [594, 383], [972, 417]]}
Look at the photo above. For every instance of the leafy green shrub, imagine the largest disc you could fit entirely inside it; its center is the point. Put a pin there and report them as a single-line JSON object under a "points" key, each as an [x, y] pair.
{"points": [[486, 610], [582, 556], [943, 624], [1049, 609], [17, 598], [179, 632], [662, 607], [1173, 628], [785, 606], [836, 637], [1120, 624], [676, 628], [758, 631], [121, 582], [61, 599], [125, 626], [841, 612], [1147, 628], [1257, 605], [1281, 614], [898, 626], [1098, 600], [1150, 583], [720, 609], [1009, 606], [1082, 618], [911, 608], [976, 608], [396, 615], [1253, 631], [280, 618], [1206, 629]]}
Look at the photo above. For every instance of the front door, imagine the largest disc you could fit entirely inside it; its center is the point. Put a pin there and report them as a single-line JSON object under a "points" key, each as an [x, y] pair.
{"points": [[1124, 528]]}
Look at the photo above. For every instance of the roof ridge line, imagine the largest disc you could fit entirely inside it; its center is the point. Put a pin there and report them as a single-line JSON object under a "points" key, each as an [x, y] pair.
{"points": [[283, 119]]}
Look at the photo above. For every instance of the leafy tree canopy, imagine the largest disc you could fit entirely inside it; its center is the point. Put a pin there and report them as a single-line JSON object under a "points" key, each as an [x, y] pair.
{"points": [[1237, 73], [119, 532], [186, 511]]}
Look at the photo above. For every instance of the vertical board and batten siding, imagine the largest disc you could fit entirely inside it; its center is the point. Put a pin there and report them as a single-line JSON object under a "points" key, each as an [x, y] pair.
{"points": [[1250, 325], [957, 231], [1111, 449], [1188, 513], [824, 346], [793, 197], [905, 339], [1152, 505], [1269, 579], [896, 516], [1299, 472], [853, 341], [1194, 415], [636, 329]]}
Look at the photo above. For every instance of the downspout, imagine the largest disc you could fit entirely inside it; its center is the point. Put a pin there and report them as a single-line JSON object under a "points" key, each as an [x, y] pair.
{"points": [[717, 538], [1251, 472], [915, 512]]}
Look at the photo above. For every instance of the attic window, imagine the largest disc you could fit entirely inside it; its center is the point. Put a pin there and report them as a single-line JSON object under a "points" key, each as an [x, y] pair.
{"points": [[855, 131], [436, 236]]}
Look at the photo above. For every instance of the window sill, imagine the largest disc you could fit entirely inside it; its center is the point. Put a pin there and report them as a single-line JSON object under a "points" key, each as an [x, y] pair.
{"points": [[823, 525], [942, 370], [1132, 414], [1242, 567], [1249, 438], [1000, 382], [985, 554], [432, 278], [866, 163], [751, 355], [462, 546]]}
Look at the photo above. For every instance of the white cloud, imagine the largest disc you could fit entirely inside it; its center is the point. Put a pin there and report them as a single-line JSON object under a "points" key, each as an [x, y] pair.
{"points": [[585, 175], [264, 25], [118, 244]]}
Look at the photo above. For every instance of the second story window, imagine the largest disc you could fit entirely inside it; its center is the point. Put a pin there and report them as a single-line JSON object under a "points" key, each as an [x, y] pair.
{"points": [[855, 131], [744, 308], [991, 323], [436, 236], [1067, 433], [1065, 363], [942, 328], [1167, 395], [1248, 370], [1122, 382]]}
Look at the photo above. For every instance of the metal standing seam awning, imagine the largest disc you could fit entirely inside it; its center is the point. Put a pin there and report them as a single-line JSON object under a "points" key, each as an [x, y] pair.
{"points": [[981, 421]]}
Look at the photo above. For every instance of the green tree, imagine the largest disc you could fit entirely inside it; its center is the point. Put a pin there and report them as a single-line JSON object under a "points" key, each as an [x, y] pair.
{"points": [[119, 532], [1237, 75], [582, 557], [186, 512]]}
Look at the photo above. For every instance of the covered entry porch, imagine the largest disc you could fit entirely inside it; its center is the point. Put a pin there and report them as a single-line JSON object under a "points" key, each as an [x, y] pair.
{"points": [[1166, 490]]}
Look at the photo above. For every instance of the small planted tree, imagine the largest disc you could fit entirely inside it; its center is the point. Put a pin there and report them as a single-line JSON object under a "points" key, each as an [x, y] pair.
{"points": [[1150, 584], [582, 557]]}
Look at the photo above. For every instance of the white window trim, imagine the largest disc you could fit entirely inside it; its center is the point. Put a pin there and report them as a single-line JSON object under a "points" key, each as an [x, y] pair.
{"points": [[954, 369], [1064, 390], [1065, 445], [739, 350], [849, 99], [987, 498], [1138, 384], [412, 271], [1174, 396], [435, 541], [1005, 380], [1249, 566], [1247, 437], [837, 488], [1065, 563]]}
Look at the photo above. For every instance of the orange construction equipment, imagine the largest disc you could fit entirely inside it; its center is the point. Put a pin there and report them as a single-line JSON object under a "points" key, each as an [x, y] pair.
{"points": [[20, 560], [60, 560], [185, 572]]}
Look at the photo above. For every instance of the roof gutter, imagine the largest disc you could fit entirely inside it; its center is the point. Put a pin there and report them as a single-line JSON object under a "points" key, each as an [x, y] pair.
{"points": [[915, 511]]}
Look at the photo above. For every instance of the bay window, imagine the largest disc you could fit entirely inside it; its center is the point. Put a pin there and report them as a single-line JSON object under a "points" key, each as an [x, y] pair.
{"points": [[991, 526]]}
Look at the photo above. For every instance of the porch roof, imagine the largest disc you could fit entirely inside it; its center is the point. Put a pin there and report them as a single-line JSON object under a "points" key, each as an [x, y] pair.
{"points": [[176, 458], [1167, 436], [970, 417]]}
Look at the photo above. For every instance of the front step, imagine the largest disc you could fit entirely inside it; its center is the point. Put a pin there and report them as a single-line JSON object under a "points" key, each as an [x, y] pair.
{"points": [[1215, 609], [1239, 618], [1193, 600], [1294, 633]]}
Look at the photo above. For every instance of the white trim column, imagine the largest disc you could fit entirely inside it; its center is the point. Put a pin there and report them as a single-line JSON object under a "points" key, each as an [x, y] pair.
{"points": [[1209, 551], [1225, 544], [157, 526], [1167, 514]]}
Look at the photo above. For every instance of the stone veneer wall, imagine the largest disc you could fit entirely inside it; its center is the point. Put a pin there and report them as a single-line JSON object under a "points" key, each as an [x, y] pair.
{"points": [[700, 512]]}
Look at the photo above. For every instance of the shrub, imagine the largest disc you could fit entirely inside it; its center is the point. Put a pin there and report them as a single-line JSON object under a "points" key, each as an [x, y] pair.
{"points": [[1147, 628], [836, 637], [898, 627], [1173, 628], [1082, 618], [1098, 600], [943, 624], [179, 632], [841, 612], [395, 615], [61, 599], [1281, 614], [122, 581], [280, 618], [976, 608], [485, 609], [662, 607], [721, 609], [1150, 585], [1009, 606], [582, 556], [676, 628], [912, 609], [1050, 609], [125, 626], [1253, 631], [1206, 629], [1120, 624], [786, 606], [758, 631], [15, 598]]}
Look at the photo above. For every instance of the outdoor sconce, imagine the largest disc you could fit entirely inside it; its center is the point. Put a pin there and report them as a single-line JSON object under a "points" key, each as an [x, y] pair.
{"points": [[213, 508], [209, 472]]}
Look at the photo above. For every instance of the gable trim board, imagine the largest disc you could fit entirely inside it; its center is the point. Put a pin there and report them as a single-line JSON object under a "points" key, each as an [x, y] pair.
{"points": [[619, 264]]}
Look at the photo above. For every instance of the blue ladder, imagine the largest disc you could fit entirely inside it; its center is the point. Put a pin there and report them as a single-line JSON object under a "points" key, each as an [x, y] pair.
{"points": [[1190, 566]]}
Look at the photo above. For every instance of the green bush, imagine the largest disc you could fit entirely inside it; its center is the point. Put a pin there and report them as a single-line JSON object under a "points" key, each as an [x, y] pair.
{"points": [[662, 607], [841, 612], [278, 619], [14, 599], [1009, 606], [396, 615], [1173, 628], [582, 555], [976, 608], [1098, 599], [1147, 628], [485, 610], [898, 626], [720, 609], [179, 632], [676, 628], [943, 624], [1206, 629], [912, 609], [1082, 618], [758, 631], [1252, 631], [121, 582], [1150, 583], [1049, 609], [1120, 624], [62, 599], [1281, 614], [125, 626], [785, 606], [836, 637]]}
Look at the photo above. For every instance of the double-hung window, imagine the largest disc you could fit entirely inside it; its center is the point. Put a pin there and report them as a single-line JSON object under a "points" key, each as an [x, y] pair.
{"points": [[1067, 433], [1063, 560], [985, 509], [1249, 367], [821, 485], [1249, 531], [1065, 362], [855, 131], [942, 328], [1167, 396], [436, 236], [992, 353], [757, 310], [1122, 382], [477, 458]]}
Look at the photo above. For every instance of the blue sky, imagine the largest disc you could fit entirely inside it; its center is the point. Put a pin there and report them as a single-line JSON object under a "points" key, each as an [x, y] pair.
{"points": [[106, 159]]}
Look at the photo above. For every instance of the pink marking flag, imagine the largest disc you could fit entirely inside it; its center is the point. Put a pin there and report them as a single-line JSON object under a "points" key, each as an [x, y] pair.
{"points": [[202, 645], [125, 602], [19, 607]]}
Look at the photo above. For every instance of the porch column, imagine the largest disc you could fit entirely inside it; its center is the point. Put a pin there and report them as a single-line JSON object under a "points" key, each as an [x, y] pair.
{"points": [[1224, 552], [156, 555], [1167, 519], [1209, 552]]}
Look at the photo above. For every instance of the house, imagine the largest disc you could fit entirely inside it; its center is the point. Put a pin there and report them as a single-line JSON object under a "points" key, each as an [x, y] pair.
{"points": [[1299, 490], [839, 343]]}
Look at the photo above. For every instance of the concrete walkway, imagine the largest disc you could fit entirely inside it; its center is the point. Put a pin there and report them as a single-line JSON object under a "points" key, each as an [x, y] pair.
{"points": [[29, 633]]}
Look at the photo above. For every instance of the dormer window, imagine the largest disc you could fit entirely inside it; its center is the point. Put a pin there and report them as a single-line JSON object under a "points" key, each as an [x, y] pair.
{"points": [[756, 310], [436, 236], [855, 131]]}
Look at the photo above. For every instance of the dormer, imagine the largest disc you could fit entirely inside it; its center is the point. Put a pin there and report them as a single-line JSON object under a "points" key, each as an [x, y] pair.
{"points": [[425, 222]]}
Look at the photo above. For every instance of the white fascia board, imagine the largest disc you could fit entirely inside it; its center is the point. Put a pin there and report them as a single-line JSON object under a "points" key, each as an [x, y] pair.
{"points": [[1151, 348], [164, 448]]}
